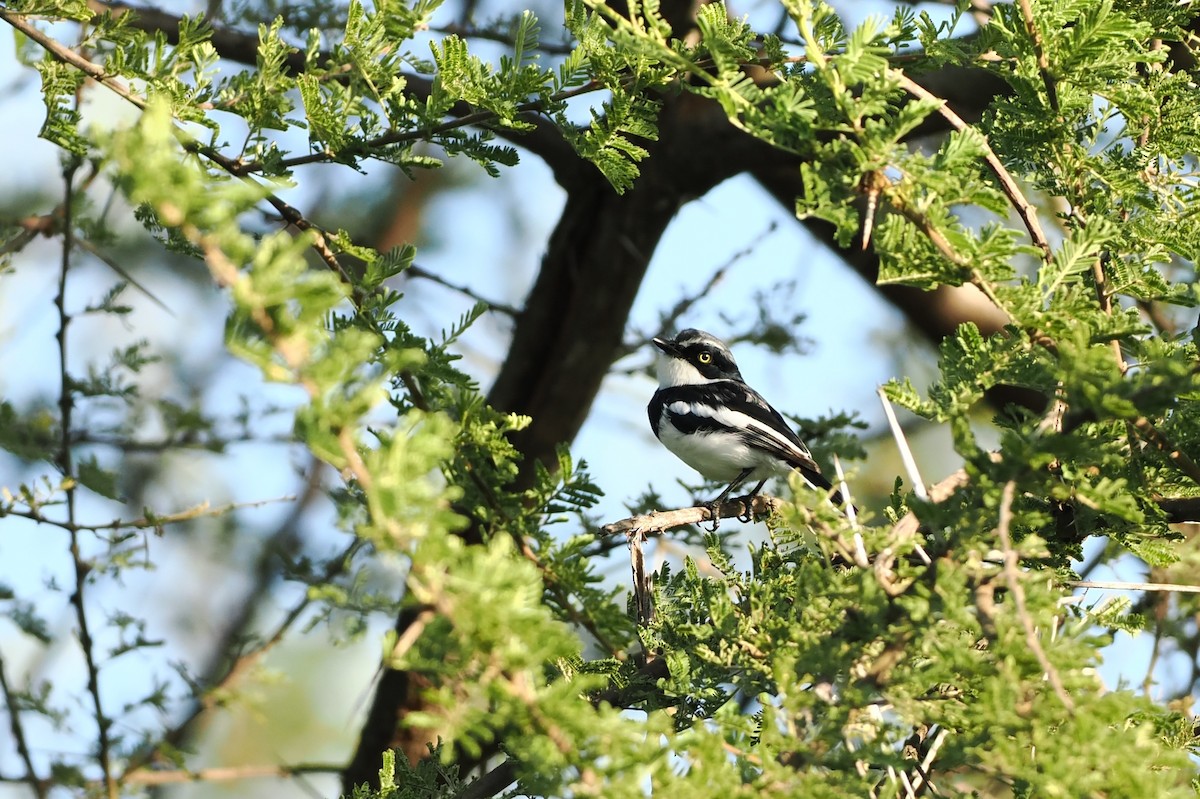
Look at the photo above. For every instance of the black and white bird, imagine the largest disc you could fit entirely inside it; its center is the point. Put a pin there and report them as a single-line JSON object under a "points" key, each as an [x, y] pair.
{"points": [[705, 413]]}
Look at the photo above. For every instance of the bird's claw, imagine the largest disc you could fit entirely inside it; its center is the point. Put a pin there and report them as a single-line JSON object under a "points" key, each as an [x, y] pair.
{"points": [[747, 514], [714, 515]]}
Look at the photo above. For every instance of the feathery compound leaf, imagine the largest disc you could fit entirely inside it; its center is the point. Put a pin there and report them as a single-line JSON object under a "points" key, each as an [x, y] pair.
{"points": [[1076, 255], [607, 144]]}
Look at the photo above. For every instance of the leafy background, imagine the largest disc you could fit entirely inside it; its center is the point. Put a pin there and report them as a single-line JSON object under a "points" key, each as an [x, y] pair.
{"points": [[214, 428]]}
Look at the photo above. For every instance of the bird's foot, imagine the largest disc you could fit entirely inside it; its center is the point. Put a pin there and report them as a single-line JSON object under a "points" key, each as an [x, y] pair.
{"points": [[747, 514], [714, 514]]}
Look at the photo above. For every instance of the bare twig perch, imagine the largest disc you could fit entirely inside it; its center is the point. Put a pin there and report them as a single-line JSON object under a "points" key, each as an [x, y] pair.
{"points": [[658, 522]]}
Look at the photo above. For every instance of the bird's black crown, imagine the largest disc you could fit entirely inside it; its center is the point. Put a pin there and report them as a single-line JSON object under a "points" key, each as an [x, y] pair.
{"points": [[706, 352]]}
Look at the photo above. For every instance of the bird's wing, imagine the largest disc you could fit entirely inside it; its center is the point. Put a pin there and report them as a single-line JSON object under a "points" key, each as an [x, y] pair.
{"points": [[733, 407], [764, 427]]}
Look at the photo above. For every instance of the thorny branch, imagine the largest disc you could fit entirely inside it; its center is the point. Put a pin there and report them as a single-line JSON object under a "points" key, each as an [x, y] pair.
{"points": [[18, 730], [65, 463], [97, 73]]}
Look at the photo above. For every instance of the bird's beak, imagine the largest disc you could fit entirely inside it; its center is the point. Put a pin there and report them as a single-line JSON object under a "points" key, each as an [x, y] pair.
{"points": [[666, 346]]}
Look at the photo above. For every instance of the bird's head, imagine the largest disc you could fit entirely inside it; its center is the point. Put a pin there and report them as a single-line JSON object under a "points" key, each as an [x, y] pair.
{"points": [[694, 357]]}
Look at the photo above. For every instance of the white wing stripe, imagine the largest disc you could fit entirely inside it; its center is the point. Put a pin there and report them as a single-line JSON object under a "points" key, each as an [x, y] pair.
{"points": [[735, 420]]}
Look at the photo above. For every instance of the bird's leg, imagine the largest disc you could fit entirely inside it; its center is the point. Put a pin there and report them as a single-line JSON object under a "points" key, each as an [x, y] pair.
{"points": [[748, 516], [716, 503]]}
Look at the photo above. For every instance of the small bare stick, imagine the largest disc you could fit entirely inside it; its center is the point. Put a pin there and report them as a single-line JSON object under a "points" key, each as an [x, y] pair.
{"points": [[910, 463]]}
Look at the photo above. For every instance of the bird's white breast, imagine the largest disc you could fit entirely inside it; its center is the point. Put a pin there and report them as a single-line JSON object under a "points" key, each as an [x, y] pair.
{"points": [[717, 455]]}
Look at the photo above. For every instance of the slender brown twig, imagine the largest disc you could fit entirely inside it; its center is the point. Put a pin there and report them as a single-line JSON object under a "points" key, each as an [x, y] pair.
{"points": [[670, 319], [65, 463], [69, 56], [1025, 209], [18, 730], [1039, 50], [142, 522], [1104, 298], [424, 274], [225, 773], [1012, 576], [943, 245]]}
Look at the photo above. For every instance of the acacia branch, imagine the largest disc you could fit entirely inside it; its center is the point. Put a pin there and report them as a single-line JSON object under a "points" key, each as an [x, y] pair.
{"points": [[18, 730], [543, 140], [1025, 209], [64, 460], [230, 165], [68, 56], [528, 111], [656, 523], [1039, 50]]}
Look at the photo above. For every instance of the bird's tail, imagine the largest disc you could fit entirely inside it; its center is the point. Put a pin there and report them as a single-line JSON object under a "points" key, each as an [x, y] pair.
{"points": [[818, 480]]}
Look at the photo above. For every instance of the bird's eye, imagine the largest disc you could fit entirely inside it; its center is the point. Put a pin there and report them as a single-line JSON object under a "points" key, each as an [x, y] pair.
{"points": [[704, 357]]}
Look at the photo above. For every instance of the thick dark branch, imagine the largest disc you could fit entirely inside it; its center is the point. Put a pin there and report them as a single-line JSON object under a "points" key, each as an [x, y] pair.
{"points": [[1180, 510], [492, 783], [575, 315], [571, 328]]}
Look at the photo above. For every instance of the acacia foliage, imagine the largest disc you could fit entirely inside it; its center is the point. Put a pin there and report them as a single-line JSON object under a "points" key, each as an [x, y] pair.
{"points": [[805, 673]]}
